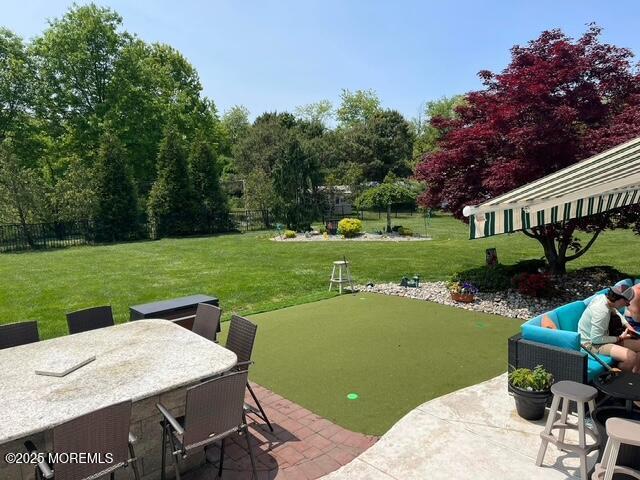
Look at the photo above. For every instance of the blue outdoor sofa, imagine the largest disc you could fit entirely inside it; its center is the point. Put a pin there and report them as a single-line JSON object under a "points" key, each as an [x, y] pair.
{"points": [[558, 350]]}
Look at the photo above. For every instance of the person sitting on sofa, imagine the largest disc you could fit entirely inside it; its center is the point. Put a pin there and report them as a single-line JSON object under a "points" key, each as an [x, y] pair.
{"points": [[594, 328], [632, 312]]}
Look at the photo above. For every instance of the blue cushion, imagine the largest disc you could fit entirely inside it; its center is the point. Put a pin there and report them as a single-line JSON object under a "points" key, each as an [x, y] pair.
{"points": [[637, 282], [569, 315], [594, 368], [558, 338], [537, 321]]}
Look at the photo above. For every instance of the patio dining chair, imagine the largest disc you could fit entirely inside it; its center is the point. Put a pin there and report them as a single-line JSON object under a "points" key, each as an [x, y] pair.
{"points": [[207, 321], [213, 411], [242, 335], [90, 319], [20, 333], [97, 434]]}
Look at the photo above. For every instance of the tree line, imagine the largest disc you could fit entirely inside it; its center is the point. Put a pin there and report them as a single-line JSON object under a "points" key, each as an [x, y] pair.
{"points": [[289, 162], [97, 124]]}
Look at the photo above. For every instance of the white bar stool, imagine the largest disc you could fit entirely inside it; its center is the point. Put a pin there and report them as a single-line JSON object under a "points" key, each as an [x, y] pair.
{"points": [[582, 395], [339, 280], [620, 431]]}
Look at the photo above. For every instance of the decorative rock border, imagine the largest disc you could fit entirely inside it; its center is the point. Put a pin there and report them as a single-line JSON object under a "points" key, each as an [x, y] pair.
{"points": [[573, 286], [365, 237], [509, 303]]}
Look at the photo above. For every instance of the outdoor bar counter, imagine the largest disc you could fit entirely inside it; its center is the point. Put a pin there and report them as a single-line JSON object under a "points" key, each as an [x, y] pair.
{"points": [[146, 361]]}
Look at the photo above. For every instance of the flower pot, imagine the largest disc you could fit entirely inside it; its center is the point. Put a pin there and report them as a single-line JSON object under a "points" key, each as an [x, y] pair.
{"points": [[530, 405], [462, 297]]}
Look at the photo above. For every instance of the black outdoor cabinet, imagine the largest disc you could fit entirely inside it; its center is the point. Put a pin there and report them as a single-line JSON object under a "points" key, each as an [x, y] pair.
{"points": [[181, 310]]}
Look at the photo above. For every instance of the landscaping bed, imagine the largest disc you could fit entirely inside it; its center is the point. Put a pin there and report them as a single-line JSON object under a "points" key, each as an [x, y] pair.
{"points": [[365, 237], [510, 302]]}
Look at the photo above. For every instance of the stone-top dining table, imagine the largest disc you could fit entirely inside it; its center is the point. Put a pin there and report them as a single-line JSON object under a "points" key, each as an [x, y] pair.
{"points": [[146, 361]]}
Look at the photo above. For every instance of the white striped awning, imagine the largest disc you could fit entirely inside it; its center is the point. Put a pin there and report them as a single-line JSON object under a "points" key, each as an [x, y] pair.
{"points": [[601, 183]]}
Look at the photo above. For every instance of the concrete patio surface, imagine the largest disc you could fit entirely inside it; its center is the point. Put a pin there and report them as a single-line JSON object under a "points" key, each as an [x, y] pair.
{"points": [[473, 433]]}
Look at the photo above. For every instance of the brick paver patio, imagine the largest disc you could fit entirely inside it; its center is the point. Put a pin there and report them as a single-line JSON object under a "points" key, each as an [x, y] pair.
{"points": [[303, 446]]}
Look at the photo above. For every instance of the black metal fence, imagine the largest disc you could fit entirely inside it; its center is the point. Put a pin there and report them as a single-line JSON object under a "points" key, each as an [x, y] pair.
{"points": [[339, 212], [45, 235], [16, 237], [250, 220]]}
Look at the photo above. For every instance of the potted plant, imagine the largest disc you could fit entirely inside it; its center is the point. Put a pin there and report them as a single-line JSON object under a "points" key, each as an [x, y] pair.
{"points": [[531, 390], [463, 291]]}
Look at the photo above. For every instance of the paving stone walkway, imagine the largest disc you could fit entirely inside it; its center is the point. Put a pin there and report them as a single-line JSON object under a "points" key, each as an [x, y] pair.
{"points": [[303, 446]]}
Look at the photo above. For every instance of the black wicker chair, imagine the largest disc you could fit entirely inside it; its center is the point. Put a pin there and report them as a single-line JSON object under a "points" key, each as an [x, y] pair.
{"points": [[207, 321], [242, 335], [90, 319], [20, 333], [97, 434], [213, 411]]}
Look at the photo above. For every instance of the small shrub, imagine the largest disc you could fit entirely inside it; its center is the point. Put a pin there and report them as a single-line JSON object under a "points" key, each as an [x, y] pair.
{"points": [[396, 228], [536, 380], [499, 277], [349, 227], [322, 229], [405, 232], [527, 266], [533, 284], [289, 234], [486, 279]]}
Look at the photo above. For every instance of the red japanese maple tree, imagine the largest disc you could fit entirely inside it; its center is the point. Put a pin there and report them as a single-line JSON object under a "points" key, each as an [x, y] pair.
{"points": [[559, 101]]}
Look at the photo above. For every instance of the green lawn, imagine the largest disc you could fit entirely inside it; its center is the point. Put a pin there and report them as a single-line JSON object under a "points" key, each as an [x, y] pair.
{"points": [[248, 272], [395, 353]]}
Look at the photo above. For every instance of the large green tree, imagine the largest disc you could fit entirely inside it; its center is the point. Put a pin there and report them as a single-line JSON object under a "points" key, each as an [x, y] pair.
{"points": [[357, 107], [172, 206], [262, 146], [155, 85], [320, 112], [235, 122], [294, 185], [16, 83], [205, 175], [84, 75], [21, 192], [76, 59], [276, 151], [381, 144], [117, 212], [235, 127], [427, 134], [259, 194], [385, 195]]}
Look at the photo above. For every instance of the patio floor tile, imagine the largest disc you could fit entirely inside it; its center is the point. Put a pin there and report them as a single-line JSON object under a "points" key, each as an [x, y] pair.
{"points": [[303, 446]]}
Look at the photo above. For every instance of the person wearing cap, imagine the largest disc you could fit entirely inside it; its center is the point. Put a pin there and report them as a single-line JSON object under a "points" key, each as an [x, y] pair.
{"points": [[594, 328]]}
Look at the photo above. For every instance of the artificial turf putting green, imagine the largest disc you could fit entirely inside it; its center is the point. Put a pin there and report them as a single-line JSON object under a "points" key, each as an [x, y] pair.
{"points": [[395, 353]]}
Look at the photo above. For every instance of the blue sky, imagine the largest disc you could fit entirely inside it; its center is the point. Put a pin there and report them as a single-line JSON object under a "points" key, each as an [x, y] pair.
{"points": [[274, 55]]}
